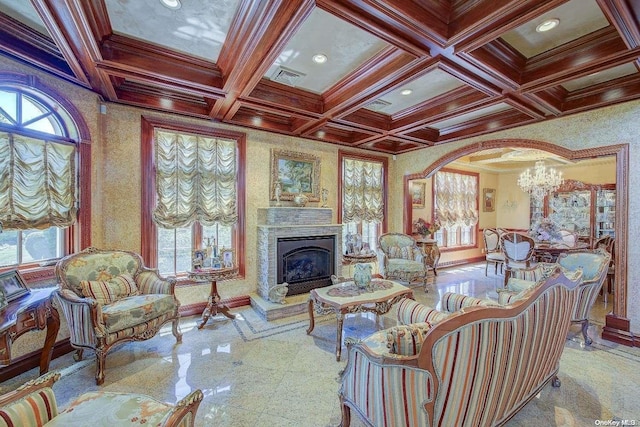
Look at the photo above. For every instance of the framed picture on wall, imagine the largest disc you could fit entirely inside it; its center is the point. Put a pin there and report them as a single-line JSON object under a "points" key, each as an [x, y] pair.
{"points": [[296, 173], [418, 190], [12, 285], [489, 199]]}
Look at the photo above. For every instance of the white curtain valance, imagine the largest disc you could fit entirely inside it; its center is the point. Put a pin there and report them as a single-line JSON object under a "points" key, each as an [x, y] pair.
{"points": [[362, 191], [195, 180], [37, 183], [456, 199]]}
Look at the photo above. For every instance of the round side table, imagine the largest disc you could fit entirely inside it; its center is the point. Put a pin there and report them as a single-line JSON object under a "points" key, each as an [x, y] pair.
{"points": [[213, 302]]}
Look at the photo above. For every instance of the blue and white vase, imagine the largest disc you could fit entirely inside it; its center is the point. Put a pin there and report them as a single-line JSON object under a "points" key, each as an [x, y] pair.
{"points": [[362, 276]]}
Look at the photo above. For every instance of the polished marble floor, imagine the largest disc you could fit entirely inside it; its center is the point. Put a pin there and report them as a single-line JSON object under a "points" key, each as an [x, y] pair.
{"points": [[271, 374]]}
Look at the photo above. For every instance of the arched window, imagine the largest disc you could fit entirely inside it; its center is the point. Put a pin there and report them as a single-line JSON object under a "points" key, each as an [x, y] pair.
{"points": [[39, 163]]}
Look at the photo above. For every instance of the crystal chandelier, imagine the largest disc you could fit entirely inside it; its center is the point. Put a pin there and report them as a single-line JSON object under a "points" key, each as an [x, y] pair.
{"points": [[541, 182]]}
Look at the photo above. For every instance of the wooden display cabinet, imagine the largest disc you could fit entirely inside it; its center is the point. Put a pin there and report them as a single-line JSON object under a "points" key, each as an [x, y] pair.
{"points": [[587, 209]]}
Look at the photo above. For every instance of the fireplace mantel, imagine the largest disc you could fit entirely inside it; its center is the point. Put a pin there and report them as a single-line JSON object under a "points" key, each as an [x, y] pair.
{"points": [[281, 222]]}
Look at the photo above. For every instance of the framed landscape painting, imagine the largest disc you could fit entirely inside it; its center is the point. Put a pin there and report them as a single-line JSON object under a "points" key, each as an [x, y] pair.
{"points": [[418, 190], [296, 173], [489, 199]]}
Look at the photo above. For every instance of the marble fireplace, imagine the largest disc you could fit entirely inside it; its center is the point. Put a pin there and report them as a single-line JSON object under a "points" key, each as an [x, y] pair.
{"points": [[300, 246]]}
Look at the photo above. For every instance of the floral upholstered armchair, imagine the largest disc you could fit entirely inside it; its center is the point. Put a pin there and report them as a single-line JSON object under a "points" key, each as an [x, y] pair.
{"points": [[34, 404], [464, 365], [109, 297], [594, 265], [399, 257]]}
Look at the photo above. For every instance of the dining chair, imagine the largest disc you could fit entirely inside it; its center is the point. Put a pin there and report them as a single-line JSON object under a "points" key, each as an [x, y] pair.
{"points": [[603, 241], [518, 249], [569, 238], [492, 251], [611, 272]]}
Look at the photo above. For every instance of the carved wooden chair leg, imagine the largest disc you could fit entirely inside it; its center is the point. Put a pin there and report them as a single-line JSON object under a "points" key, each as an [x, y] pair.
{"points": [[77, 356], [585, 327], [175, 329], [555, 382], [346, 416], [100, 363]]}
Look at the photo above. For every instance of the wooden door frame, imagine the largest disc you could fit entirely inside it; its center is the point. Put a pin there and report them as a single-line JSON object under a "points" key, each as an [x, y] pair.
{"points": [[617, 326]]}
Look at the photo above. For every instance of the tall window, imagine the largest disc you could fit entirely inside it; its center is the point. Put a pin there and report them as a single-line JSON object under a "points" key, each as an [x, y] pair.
{"points": [[38, 177], [363, 181], [197, 196], [456, 206]]}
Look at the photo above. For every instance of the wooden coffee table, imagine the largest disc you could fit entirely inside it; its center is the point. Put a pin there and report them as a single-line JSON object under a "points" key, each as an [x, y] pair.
{"points": [[345, 298]]}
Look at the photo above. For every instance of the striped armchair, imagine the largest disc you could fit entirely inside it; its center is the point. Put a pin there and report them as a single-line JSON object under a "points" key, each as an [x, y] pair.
{"points": [[34, 404], [478, 366], [109, 297]]}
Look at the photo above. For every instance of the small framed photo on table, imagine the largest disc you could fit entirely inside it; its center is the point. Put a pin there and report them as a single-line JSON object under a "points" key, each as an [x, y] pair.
{"points": [[12, 285], [198, 259], [227, 258]]}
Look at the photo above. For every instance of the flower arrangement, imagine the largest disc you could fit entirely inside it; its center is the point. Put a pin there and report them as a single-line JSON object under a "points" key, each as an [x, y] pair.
{"points": [[546, 230], [424, 228]]}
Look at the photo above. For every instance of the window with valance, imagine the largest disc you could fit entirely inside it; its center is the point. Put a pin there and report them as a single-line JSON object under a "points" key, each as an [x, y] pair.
{"points": [[363, 187], [195, 195], [456, 207], [38, 176]]}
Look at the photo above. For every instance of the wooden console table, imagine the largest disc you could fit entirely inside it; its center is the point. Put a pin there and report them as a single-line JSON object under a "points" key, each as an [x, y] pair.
{"points": [[213, 303], [33, 311]]}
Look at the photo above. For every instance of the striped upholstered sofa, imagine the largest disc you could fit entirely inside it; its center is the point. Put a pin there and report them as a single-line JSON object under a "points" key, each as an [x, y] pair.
{"points": [[475, 367], [109, 297], [34, 405]]}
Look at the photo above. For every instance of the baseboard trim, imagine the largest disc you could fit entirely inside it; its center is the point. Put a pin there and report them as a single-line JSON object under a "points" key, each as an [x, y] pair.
{"points": [[618, 329], [198, 308]]}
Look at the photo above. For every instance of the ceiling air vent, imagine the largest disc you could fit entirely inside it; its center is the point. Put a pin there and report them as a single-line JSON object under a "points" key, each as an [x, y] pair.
{"points": [[286, 76], [377, 105]]}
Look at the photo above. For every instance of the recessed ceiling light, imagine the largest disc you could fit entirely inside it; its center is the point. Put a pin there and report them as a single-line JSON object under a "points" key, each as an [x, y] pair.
{"points": [[406, 92], [320, 58], [547, 25], [171, 4]]}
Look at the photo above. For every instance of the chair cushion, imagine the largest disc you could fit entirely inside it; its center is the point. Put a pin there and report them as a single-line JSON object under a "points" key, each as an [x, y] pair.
{"points": [[406, 340], [403, 252], [405, 265], [495, 256], [518, 285], [34, 409], [105, 408], [108, 291], [134, 310]]}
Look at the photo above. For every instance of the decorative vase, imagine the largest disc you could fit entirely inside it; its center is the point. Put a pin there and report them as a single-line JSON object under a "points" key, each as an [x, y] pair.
{"points": [[300, 200], [362, 276]]}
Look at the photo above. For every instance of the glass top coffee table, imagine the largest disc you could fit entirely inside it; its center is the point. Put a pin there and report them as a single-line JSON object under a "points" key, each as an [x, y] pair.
{"points": [[345, 298]]}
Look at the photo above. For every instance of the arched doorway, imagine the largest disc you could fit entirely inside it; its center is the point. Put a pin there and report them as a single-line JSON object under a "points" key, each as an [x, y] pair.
{"points": [[616, 325]]}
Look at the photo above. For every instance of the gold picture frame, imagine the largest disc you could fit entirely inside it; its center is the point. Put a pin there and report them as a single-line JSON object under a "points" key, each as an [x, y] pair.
{"points": [[488, 199], [418, 191], [296, 173], [12, 285]]}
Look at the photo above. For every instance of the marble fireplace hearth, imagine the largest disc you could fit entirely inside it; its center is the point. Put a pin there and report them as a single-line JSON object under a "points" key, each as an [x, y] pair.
{"points": [[282, 223]]}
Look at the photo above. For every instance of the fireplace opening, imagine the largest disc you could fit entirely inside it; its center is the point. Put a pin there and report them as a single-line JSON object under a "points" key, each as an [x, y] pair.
{"points": [[305, 263]]}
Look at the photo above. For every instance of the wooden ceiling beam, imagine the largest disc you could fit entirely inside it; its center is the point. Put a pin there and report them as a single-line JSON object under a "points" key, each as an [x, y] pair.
{"points": [[258, 33], [69, 26], [623, 16]]}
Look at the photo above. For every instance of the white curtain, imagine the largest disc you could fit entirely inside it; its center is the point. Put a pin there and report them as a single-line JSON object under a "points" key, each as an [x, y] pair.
{"points": [[362, 191], [37, 183], [456, 199], [195, 180]]}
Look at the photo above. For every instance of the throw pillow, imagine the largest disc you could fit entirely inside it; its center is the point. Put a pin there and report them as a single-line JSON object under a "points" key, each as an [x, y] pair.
{"points": [[108, 291], [406, 340]]}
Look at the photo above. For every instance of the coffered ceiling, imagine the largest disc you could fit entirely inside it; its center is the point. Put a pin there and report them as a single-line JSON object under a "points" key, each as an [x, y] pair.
{"points": [[399, 75]]}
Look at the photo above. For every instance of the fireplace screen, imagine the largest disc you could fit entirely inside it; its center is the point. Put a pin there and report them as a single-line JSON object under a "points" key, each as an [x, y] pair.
{"points": [[306, 263]]}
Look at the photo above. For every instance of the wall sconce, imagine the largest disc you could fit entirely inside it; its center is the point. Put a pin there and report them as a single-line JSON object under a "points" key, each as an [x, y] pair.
{"points": [[510, 204]]}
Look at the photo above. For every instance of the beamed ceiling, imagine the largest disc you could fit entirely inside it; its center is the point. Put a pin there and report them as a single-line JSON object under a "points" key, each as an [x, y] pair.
{"points": [[473, 66]]}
